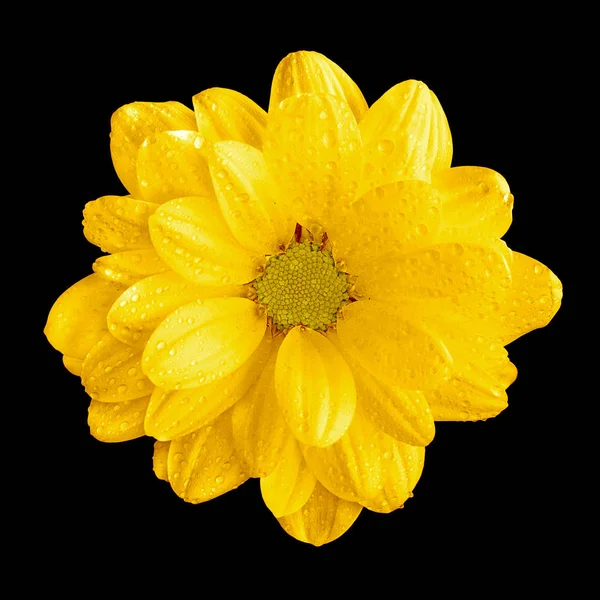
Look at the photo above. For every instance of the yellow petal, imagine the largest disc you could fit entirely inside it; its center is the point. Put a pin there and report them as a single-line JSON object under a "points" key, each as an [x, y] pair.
{"points": [[117, 422], [532, 301], [141, 308], [322, 519], [253, 209], [288, 488], [468, 278], [505, 373], [393, 218], [130, 266], [473, 199], [117, 223], [77, 320], [368, 466], [259, 430], [473, 392], [132, 124], [352, 467], [203, 464], [73, 365], [402, 414], [191, 236], [172, 164], [315, 387], [223, 114], [179, 412], [203, 341], [311, 72], [402, 468], [111, 372], [160, 460], [465, 344], [393, 348], [313, 153], [405, 136], [471, 395]]}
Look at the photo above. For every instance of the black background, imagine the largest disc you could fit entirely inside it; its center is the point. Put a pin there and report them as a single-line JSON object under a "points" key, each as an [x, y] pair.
{"points": [[489, 500]]}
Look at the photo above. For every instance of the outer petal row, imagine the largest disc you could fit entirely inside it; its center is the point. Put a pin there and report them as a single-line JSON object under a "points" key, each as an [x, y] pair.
{"points": [[118, 223], [77, 320], [360, 465], [405, 136], [203, 464], [132, 124], [223, 114], [324, 518], [311, 72]]}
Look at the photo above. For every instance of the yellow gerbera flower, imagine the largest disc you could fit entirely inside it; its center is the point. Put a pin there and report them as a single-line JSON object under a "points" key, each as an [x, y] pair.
{"points": [[297, 295]]}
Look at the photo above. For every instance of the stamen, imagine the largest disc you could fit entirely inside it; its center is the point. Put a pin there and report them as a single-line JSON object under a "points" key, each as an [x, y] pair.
{"points": [[302, 286]]}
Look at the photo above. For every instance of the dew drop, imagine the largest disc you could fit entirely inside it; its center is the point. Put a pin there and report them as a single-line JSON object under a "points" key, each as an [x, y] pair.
{"points": [[385, 146]]}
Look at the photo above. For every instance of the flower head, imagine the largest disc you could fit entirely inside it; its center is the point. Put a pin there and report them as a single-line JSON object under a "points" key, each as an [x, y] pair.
{"points": [[297, 295]]}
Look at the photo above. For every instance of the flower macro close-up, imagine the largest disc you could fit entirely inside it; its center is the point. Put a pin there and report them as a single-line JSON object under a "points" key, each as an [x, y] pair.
{"points": [[297, 295]]}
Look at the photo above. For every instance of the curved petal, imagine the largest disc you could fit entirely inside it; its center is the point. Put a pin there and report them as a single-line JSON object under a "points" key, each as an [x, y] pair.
{"points": [[471, 395], [322, 519], [315, 387], [464, 344], [473, 392], [132, 124], [474, 199], [130, 266], [223, 114], [111, 372], [288, 488], [179, 412], [392, 347], [352, 467], [396, 217], [506, 373], [73, 365], [468, 278], [405, 136], [117, 422], [402, 468], [77, 320], [258, 217], [312, 150], [368, 466], [173, 164], [259, 430], [533, 299], [160, 460], [140, 309], [117, 223], [203, 341], [310, 72], [203, 464], [402, 414], [191, 236]]}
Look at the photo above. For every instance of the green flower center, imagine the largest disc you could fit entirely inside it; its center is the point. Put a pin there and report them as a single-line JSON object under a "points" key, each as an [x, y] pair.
{"points": [[302, 286]]}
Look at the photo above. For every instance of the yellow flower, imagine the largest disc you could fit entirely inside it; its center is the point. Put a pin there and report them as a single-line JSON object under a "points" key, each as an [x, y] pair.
{"points": [[297, 296]]}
